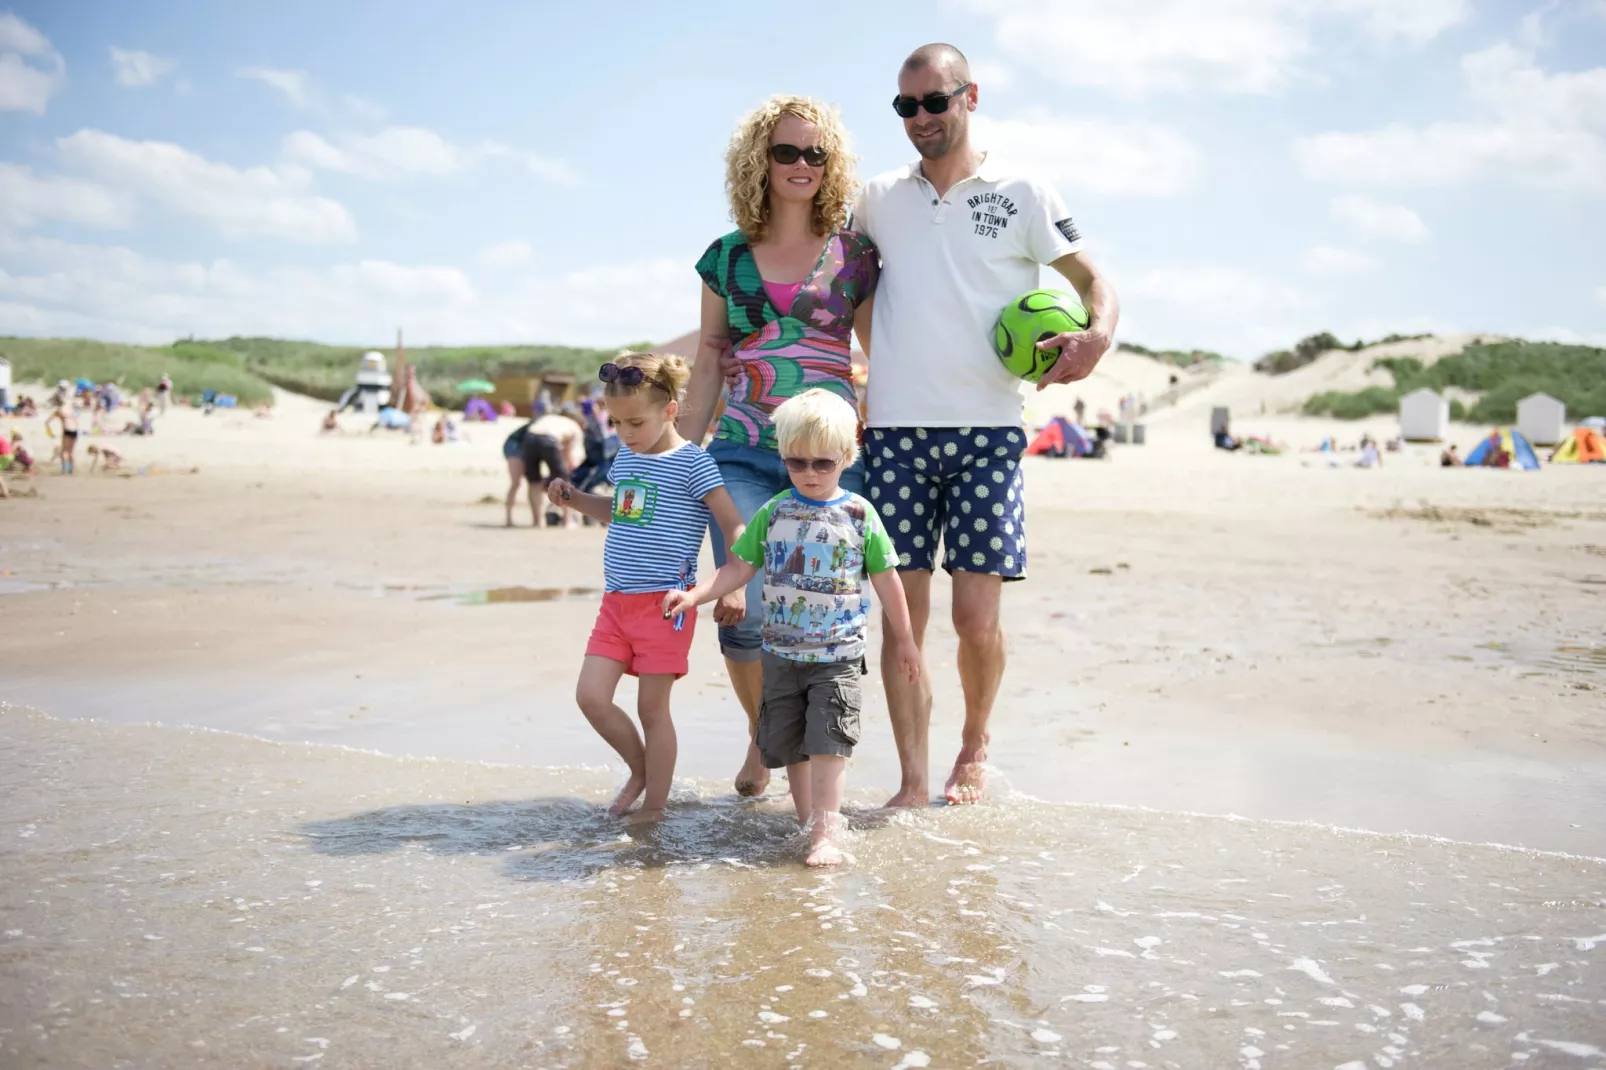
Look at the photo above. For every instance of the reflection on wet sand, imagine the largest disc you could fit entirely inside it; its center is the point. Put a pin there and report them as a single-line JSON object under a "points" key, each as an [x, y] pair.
{"points": [[179, 896]]}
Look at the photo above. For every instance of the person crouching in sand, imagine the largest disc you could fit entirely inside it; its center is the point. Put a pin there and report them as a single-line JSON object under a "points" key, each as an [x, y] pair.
{"points": [[101, 457], [665, 490], [815, 545]]}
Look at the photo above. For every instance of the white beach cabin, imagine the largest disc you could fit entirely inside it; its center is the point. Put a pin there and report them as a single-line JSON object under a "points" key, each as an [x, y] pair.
{"points": [[5, 383], [1424, 416], [1542, 419]]}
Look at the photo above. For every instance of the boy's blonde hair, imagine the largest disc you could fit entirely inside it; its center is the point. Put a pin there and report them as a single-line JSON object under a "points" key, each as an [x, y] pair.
{"points": [[665, 372], [817, 421]]}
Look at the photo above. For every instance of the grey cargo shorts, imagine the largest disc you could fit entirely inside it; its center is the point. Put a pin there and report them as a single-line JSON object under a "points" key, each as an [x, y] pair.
{"points": [[808, 708]]}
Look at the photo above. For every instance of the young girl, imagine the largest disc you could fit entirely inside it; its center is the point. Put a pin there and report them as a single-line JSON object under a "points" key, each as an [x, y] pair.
{"points": [[665, 490]]}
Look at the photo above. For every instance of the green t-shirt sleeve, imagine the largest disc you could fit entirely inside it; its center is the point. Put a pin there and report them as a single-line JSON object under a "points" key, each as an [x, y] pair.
{"points": [[750, 544], [879, 553]]}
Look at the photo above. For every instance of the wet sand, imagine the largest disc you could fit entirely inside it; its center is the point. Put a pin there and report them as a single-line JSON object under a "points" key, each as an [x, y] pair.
{"points": [[1404, 651]]}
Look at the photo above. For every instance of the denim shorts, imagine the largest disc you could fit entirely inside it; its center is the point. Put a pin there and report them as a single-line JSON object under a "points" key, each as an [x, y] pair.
{"points": [[754, 476]]}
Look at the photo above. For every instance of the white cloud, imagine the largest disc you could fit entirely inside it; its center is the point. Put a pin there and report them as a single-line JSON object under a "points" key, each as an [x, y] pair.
{"points": [[96, 291], [31, 71], [1600, 295], [295, 85], [399, 152], [138, 68], [1326, 260], [1545, 129], [256, 200], [990, 74], [1236, 46], [1095, 155], [1379, 220], [27, 199], [504, 255], [1213, 288]]}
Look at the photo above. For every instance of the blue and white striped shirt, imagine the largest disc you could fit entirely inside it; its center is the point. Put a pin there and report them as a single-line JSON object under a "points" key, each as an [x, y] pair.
{"points": [[658, 518]]}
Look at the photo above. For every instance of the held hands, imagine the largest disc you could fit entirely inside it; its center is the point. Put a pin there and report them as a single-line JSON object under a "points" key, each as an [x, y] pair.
{"points": [[729, 610], [909, 659], [1079, 355], [558, 491]]}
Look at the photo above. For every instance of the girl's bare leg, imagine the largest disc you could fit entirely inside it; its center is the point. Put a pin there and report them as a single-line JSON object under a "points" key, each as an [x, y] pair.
{"points": [[652, 706], [599, 678], [515, 474], [828, 775]]}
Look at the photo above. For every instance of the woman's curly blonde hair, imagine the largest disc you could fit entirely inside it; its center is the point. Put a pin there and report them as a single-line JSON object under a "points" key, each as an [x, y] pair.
{"points": [[747, 166]]}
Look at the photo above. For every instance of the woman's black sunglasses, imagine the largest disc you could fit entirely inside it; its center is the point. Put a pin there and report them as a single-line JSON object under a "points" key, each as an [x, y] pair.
{"points": [[629, 376], [934, 103], [814, 156], [821, 465]]}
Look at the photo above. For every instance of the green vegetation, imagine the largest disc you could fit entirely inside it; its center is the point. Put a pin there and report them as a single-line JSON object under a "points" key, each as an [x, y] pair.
{"points": [[326, 372], [249, 367], [1307, 350], [1182, 358], [194, 369], [1500, 373]]}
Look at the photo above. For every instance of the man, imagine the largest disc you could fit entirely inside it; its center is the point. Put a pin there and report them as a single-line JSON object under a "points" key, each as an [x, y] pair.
{"points": [[961, 234]]}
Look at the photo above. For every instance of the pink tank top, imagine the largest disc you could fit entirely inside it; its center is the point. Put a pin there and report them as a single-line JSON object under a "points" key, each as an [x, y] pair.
{"points": [[783, 294]]}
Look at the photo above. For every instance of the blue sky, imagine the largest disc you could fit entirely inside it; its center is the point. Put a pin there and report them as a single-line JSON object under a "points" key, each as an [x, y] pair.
{"points": [[1247, 171]]}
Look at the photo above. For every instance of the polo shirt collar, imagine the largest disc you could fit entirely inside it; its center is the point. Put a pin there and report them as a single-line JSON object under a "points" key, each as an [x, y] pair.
{"points": [[989, 171]]}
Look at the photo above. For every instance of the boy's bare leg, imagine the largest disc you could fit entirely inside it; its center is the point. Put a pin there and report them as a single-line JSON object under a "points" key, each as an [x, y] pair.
{"points": [[599, 677], [982, 657], [658, 731], [828, 774], [909, 705], [747, 680], [799, 776]]}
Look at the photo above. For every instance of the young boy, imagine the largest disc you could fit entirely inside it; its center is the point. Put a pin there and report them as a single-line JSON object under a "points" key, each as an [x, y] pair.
{"points": [[816, 544]]}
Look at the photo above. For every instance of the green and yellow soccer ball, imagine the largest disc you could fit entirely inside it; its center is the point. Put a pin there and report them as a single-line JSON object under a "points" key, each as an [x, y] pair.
{"points": [[1027, 320]]}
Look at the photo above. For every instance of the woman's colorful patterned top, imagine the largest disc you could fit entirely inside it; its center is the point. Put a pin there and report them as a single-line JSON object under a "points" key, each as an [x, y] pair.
{"points": [[787, 351]]}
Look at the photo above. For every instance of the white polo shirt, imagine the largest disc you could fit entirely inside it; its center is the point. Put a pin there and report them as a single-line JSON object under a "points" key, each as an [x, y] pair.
{"points": [[948, 267]]}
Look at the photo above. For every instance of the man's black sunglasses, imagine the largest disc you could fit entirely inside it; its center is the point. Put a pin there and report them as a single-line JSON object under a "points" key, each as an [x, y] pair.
{"points": [[814, 156], [934, 103]]}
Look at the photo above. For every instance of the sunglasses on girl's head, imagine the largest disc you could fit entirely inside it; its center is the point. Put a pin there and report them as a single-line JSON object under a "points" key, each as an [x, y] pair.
{"points": [[814, 156], [820, 465], [934, 103], [630, 376]]}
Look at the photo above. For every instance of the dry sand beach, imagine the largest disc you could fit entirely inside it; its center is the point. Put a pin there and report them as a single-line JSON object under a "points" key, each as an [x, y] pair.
{"points": [[294, 775]]}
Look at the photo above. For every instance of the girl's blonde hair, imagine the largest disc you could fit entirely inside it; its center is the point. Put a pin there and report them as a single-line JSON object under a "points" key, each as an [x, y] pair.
{"points": [[817, 420], [666, 373], [747, 166]]}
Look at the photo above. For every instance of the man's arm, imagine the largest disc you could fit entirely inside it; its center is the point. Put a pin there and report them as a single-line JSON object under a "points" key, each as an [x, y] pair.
{"points": [[1080, 350], [861, 323], [702, 390]]}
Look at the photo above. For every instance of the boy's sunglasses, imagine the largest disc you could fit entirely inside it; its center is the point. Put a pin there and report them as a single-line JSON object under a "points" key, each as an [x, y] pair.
{"points": [[630, 376], [820, 465], [934, 103], [814, 156]]}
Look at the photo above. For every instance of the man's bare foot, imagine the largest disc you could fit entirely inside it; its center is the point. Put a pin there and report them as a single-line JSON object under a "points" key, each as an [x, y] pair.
{"points": [[628, 794], [967, 784], [910, 798], [753, 779], [644, 817]]}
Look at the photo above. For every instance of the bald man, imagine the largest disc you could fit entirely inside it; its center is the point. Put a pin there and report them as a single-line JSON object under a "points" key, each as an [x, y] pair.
{"points": [[961, 233]]}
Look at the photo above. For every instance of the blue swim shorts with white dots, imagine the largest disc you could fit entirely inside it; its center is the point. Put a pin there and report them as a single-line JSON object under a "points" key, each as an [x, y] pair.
{"points": [[962, 484]]}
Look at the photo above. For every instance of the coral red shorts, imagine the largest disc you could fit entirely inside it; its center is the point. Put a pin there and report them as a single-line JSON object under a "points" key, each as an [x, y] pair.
{"points": [[631, 630]]}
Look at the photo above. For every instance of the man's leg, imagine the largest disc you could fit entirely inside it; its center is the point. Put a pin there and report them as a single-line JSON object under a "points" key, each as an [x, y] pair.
{"points": [[909, 705], [980, 629], [747, 680]]}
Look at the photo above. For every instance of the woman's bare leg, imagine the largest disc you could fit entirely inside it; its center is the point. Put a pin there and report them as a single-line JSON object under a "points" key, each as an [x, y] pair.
{"points": [[515, 474]]}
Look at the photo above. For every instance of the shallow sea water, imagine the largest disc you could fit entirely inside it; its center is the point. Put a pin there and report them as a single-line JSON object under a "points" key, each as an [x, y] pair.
{"points": [[179, 897]]}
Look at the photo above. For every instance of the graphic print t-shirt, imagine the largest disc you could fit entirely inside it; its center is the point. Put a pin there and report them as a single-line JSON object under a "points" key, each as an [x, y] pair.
{"points": [[658, 518], [815, 557]]}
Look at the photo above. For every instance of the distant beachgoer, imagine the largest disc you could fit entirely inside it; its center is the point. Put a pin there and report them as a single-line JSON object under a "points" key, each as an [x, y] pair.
{"points": [[553, 447], [164, 390], [1370, 456], [68, 420], [1080, 409], [21, 459], [1449, 458], [513, 453], [105, 457], [666, 490], [331, 422], [593, 471], [437, 434]]}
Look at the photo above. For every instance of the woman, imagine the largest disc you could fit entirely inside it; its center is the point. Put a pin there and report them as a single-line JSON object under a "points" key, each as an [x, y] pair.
{"points": [[783, 289]]}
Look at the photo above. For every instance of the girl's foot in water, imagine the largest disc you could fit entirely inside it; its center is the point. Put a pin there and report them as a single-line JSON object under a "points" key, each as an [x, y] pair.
{"points": [[629, 794], [644, 817], [824, 829]]}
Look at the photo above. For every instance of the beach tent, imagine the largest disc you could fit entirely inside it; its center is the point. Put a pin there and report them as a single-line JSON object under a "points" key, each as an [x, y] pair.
{"points": [[1504, 442], [1424, 416], [1542, 418], [1584, 446], [1061, 438]]}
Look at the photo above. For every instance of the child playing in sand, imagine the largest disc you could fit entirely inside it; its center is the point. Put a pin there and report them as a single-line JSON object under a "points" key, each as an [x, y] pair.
{"points": [[665, 489], [815, 544], [106, 458]]}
